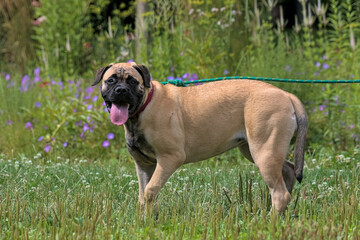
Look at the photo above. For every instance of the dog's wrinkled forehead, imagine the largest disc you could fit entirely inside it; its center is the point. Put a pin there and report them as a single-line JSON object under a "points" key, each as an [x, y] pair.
{"points": [[123, 71]]}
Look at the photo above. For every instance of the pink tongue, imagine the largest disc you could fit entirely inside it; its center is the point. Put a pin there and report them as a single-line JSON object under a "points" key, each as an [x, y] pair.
{"points": [[119, 114]]}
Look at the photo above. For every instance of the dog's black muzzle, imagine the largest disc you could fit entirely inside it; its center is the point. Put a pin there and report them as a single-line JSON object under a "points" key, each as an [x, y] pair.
{"points": [[120, 95]]}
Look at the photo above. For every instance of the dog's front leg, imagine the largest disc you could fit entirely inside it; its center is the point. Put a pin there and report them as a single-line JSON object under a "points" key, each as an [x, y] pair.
{"points": [[145, 168], [165, 167], [144, 174]]}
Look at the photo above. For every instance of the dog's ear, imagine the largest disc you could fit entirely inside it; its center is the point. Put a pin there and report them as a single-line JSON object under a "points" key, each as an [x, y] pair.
{"points": [[145, 74], [100, 73]]}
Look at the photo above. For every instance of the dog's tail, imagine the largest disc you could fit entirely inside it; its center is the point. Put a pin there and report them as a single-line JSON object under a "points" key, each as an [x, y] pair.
{"points": [[302, 123]]}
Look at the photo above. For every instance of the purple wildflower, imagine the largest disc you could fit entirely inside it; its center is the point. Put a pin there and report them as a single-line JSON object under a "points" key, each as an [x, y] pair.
{"points": [[29, 126], [182, 53], [95, 98], [25, 80], [322, 107], [74, 111], [193, 77], [37, 71], [130, 61], [106, 144], [65, 144], [317, 64], [47, 148], [40, 139], [38, 104], [169, 78], [89, 90], [287, 68], [86, 127], [36, 79], [7, 77], [53, 82], [61, 85], [9, 122], [325, 66], [89, 107], [317, 73], [186, 75], [342, 111], [24, 83], [110, 136], [352, 126], [226, 72]]}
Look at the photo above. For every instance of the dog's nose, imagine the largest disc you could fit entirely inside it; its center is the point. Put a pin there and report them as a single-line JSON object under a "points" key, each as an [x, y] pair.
{"points": [[120, 90]]}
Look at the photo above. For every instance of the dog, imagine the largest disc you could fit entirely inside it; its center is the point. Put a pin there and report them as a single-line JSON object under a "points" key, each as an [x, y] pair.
{"points": [[167, 126]]}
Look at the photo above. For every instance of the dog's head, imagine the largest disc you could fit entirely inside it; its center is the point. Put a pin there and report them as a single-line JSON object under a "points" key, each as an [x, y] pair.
{"points": [[123, 88]]}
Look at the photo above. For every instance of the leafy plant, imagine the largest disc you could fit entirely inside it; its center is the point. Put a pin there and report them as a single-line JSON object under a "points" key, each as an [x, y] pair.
{"points": [[63, 38]]}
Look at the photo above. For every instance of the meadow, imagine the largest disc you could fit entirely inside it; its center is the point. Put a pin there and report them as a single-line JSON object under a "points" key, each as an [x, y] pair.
{"points": [[65, 172]]}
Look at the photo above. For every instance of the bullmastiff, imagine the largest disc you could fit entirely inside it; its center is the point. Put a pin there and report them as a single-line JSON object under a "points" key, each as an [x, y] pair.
{"points": [[168, 126]]}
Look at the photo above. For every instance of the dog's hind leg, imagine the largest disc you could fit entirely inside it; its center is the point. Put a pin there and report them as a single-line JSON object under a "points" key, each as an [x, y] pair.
{"points": [[269, 142], [270, 166], [287, 170]]}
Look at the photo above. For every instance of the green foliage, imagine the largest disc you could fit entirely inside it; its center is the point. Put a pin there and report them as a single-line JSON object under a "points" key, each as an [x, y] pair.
{"points": [[15, 35], [55, 117], [63, 48], [113, 42]]}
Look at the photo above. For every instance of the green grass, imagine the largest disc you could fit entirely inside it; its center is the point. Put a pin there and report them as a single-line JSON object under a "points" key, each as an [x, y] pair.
{"points": [[223, 198]]}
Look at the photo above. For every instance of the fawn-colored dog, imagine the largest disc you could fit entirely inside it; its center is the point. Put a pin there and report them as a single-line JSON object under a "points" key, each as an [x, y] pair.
{"points": [[168, 126]]}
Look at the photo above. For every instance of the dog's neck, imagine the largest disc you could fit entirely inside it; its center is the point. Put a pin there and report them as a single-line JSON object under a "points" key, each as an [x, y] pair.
{"points": [[147, 101]]}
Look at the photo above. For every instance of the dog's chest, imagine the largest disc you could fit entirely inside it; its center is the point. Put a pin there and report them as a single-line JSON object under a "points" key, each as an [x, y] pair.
{"points": [[135, 140]]}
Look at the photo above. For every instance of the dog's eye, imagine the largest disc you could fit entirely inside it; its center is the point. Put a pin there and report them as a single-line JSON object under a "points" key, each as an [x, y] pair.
{"points": [[110, 80], [133, 81]]}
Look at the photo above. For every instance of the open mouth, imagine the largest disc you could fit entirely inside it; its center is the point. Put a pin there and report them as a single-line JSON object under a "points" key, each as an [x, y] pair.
{"points": [[119, 112]]}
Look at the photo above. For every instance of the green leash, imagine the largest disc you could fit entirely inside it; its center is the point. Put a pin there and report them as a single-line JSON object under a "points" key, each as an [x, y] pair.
{"points": [[181, 83]]}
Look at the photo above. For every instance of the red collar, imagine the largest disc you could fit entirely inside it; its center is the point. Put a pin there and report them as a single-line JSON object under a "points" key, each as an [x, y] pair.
{"points": [[136, 115]]}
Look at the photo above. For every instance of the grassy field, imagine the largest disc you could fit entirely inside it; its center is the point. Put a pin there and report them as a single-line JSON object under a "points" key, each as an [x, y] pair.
{"points": [[222, 198]]}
